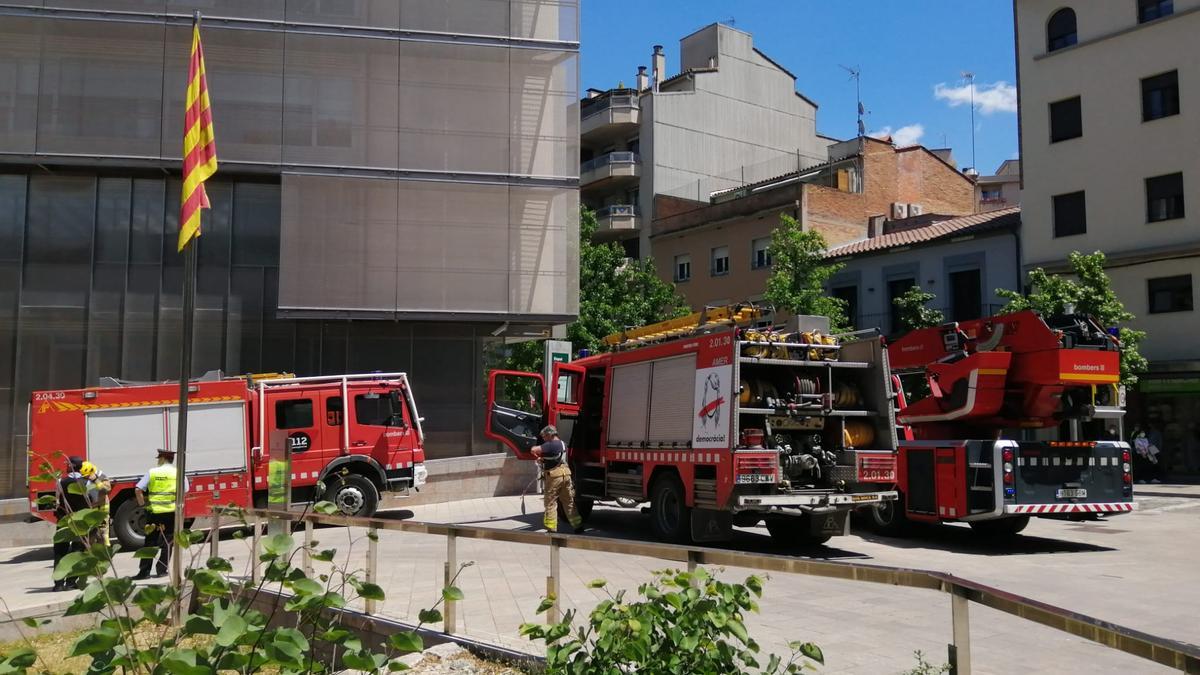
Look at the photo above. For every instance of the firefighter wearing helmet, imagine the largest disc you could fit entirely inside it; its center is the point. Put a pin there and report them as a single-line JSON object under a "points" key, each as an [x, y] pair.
{"points": [[97, 487], [552, 454], [156, 492]]}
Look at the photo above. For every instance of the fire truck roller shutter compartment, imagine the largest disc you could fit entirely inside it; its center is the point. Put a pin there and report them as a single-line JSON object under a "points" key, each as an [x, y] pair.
{"points": [[628, 403], [670, 400], [123, 442]]}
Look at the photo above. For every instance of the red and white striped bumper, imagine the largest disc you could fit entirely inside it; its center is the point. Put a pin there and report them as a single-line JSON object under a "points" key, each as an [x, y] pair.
{"points": [[1039, 509]]}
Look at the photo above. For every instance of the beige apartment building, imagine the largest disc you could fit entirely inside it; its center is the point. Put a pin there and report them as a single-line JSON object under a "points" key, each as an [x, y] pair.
{"points": [[1110, 144], [716, 251], [1001, 190]]}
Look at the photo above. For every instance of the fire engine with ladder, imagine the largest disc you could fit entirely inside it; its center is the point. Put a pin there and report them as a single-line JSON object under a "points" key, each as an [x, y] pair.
{"points": [[716, 424], [356, 435], [992, 381]]}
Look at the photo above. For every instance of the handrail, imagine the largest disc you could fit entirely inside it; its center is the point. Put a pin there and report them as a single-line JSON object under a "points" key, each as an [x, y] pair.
{"points": [[614, 157], [618, 210], [1172, 653]]}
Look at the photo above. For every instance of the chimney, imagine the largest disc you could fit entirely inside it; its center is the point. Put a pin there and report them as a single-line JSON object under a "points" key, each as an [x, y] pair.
{"points": [[643, 80], [875, 226], [658, 62]]}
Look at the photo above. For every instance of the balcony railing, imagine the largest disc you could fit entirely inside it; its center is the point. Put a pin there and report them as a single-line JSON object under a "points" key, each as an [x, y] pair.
{"points": [[622, 157], [602, 103], [883, 321], [619, 211]]}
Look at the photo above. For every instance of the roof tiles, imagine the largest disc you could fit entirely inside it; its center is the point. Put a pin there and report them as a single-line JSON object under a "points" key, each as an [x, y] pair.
{"points": [[954, 227]]}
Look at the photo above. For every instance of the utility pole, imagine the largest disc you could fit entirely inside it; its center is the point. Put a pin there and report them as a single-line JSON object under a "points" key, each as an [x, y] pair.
{"points": [[970, 78], [856, 75]]}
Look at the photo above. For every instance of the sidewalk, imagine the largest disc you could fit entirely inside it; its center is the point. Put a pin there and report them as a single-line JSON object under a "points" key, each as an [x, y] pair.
{"points": [[1138, 570]]}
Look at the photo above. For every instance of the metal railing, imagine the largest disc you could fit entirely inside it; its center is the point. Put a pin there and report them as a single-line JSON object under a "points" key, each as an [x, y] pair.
{"points": [[883, 321], [602, 103], [1171, 653], [617, 210], [620, 157]]}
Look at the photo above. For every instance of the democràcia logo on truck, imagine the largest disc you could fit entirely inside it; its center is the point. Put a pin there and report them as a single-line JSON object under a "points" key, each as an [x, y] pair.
{"points": [[710, 425]]}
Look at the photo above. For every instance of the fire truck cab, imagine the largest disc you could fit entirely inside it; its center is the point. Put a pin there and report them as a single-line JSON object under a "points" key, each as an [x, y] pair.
{"points": [[716, 425], [347, 453]]}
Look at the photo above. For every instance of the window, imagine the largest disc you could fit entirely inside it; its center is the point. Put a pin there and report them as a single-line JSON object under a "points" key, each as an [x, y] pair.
{"points": [[1066, 120], [849, 297], [720, 261], [1160, 96], [1060, 30], [1070, 214], [760, 253], [966, 295], [1164, 197], [1170, 294], [895, 289], [377, 410], [992, 195], [294, 414], [333, 411], [683, 267], [1149, 10]]}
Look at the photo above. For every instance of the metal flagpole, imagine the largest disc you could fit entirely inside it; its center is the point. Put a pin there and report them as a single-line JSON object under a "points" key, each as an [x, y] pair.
{"points": [[185, 375]]}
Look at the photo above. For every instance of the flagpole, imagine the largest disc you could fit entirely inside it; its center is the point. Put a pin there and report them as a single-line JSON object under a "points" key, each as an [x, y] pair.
{"points": [[185, 375]]}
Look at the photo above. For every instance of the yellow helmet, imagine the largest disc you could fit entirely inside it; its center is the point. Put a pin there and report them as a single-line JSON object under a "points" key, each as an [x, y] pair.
{"points": [[87, 470]]}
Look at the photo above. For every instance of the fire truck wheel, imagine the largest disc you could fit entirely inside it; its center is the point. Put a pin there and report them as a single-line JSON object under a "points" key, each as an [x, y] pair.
{"points": [[669, 511], [795, 531], [354, 495], [888, 518], [1001, 527], [129, 525]]}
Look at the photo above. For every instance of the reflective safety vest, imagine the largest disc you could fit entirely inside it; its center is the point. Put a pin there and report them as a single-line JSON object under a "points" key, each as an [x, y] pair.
{"points": [[162, 489]]}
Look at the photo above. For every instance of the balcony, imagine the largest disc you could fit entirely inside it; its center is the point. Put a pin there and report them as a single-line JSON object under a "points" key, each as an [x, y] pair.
{"points": [[617, 220], [609, 117], [615, 170]]}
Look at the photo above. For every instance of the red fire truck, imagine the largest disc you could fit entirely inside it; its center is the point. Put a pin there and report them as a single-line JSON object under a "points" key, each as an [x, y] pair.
{"points": [[119, 427], [717, 425], [993, 380]]}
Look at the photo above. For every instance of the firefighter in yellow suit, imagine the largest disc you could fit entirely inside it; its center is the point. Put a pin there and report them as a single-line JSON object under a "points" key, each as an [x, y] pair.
{"points": [[552, 454]]}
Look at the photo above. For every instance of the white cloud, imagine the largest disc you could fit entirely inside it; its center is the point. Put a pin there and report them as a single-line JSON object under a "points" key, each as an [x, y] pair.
{"points": [[990, 98], [907, 135]]}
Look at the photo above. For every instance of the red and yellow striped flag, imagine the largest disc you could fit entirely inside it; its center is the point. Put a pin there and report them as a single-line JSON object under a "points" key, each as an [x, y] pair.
{"points": [[199, 146]]}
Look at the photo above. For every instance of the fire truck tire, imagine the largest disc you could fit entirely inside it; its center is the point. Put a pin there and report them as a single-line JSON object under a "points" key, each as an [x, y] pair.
{"points": [[888, 518], [669, 516], [1001, 527], [794, 531], [354, 495], [129, 525]]}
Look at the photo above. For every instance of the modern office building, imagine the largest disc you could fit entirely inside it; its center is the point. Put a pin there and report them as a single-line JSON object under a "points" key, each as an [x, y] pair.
{"points": [[1110, 107], [398, 188], [730, 116]]}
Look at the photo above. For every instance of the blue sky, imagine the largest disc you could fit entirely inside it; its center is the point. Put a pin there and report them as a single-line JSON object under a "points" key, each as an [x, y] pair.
{"points": [[911, 55]]}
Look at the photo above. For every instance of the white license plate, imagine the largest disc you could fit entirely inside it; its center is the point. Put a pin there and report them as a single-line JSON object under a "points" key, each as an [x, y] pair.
{"points": [[1071, 493], [745, 478]]}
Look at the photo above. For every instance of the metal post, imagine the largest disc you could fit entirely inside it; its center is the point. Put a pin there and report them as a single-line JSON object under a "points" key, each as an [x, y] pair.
{"points": [[960, 649], [185, 373], [450, 616], [255, 540], [554, 614], [306, 554], [692, 567], [214, 534], [372, 564]]}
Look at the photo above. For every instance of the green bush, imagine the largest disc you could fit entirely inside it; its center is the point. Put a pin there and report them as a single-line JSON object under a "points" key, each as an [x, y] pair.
{"points": [[682, 623]]}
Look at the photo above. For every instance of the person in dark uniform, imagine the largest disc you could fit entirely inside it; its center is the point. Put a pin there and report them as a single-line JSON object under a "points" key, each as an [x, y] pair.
{"points": [[68, 501], [552, 453]]}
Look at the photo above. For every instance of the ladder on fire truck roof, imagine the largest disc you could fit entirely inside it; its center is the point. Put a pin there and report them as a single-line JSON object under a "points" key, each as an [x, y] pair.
{"points": [[710, 318]]}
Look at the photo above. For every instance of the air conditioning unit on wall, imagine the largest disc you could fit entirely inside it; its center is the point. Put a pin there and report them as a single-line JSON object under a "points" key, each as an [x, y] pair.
{"points": [[899, 211], [915, 210]]}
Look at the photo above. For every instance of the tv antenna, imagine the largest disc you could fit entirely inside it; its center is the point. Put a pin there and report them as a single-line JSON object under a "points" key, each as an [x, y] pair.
{"points": [[731, 21], [856, 75], [969, 77]]}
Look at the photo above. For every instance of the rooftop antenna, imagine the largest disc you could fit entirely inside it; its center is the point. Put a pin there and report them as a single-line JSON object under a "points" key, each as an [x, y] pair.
{"points": [[856, 75], [970, 79], [731, 21]]}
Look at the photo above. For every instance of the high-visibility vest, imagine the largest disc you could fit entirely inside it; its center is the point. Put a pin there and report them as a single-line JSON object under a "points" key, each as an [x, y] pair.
{"points": [[162, 489]]}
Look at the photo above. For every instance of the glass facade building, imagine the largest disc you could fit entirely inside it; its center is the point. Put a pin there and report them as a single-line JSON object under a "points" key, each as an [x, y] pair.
{"points": [[399, 180]]}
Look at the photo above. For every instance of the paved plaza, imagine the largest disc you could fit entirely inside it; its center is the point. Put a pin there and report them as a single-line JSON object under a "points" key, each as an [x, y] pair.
{"points": [[1138, 570]]}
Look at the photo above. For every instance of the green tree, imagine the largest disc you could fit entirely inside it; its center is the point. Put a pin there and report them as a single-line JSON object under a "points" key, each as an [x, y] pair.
{"points": [[799, 271], [912, 309], [614, 293], [1089, 290]]}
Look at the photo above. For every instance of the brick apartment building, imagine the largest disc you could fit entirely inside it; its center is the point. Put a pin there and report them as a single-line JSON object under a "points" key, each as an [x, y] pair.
{"points": [[716, 252]]}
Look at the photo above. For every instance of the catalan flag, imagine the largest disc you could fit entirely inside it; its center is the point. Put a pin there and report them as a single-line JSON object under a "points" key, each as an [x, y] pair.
{"points": [[199, 145]]}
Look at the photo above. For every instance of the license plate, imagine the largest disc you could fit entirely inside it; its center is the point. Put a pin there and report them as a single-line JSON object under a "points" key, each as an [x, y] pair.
{"points": [[744, 478], [863, 498], [1071, 493]]}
